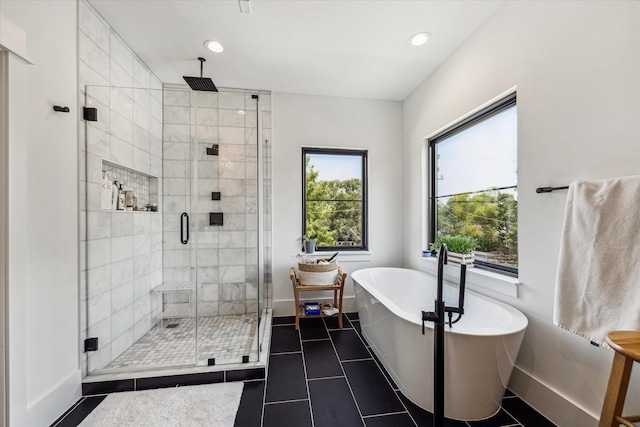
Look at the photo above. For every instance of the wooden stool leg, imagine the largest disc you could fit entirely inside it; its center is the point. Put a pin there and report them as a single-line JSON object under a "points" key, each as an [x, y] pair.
{"points": [[616, 390], [336, 304], [294, 283]]}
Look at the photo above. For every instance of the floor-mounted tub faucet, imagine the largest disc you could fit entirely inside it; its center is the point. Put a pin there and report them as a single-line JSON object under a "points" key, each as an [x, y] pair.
{"points": [[437, 317]]}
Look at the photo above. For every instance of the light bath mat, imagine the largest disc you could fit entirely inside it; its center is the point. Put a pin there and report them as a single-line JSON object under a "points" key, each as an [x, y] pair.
{"points": [[210, 405]]}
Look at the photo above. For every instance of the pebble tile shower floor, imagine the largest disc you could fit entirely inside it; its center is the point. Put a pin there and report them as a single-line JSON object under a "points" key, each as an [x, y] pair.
{"points": [[225, 338]]}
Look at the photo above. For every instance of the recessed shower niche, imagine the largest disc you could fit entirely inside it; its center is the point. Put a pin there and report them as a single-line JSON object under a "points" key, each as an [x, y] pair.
{"points": [[138, 190], [155, 142]]}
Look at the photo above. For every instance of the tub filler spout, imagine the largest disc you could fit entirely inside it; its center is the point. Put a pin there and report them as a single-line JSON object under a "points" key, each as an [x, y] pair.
{"points": [[461, 288], [434, 316]]}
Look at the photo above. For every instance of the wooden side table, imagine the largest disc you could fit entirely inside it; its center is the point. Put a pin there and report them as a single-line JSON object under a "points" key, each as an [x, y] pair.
{"points": [[337, 287]]}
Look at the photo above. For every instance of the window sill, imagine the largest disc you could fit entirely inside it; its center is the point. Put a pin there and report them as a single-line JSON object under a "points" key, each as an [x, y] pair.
{"points": [[477, 279], [344, 256]]}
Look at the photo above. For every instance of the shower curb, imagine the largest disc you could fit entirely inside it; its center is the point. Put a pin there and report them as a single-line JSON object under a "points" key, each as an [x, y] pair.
{"points": [[181, 380]]}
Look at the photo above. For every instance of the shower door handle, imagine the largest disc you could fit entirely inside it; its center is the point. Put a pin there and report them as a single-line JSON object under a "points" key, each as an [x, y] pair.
{"points": [[182, 230]]}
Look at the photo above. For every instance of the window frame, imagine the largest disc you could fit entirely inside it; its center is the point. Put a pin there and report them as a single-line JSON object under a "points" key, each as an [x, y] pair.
{"points": [[363, 154], [468, 122]]}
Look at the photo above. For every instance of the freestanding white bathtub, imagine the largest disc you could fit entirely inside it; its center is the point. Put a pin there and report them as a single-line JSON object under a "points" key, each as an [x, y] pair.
{"points": [[480, 349]]}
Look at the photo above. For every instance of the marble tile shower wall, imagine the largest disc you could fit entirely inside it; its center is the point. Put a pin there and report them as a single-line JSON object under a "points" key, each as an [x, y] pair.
{"points": [[226, 256], [121, 251]]}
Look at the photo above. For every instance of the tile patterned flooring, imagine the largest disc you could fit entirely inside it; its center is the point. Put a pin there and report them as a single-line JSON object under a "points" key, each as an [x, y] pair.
{"points": [[225, 338], [323, 376]]}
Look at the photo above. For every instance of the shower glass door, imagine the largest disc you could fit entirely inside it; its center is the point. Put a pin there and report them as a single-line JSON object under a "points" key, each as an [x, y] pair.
{"points": [[226, 234], [177, 276]]}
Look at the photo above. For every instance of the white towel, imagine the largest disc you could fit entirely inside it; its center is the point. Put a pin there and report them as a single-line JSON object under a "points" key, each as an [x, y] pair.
{"points": [[598, 279]]}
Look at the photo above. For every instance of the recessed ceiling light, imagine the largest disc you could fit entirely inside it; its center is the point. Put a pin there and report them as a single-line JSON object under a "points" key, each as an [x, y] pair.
{"points": [[419, 39], [213, 46], [241, 112]]}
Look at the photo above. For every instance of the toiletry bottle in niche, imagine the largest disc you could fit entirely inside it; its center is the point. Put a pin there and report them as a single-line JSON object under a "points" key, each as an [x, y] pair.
{"points": [[128, 197], [121, 200], [114, 195], [135, 201], [105, 191]]}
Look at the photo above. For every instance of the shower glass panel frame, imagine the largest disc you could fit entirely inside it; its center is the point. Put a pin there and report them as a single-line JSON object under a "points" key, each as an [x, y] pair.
{"points": [[156, 141]]}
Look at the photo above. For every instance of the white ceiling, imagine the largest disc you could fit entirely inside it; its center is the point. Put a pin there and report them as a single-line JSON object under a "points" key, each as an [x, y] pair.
{"points": [[345, 48]]}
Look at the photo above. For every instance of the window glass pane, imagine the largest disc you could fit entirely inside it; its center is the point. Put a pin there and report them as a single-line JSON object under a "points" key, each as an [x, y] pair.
{"points": [[490, 217], [334, 199], [479, 158], [476, 180]]}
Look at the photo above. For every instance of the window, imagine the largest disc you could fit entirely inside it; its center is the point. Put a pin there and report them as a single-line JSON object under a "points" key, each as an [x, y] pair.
{"points": [[473, 187], [334, 198]]}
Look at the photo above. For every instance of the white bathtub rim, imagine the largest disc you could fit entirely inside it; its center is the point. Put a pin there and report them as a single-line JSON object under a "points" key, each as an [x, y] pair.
{"points": [[518, 321]]}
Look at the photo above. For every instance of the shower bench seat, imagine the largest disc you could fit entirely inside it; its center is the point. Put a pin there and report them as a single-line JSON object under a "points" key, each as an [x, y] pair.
{"points": [[175, 310]]}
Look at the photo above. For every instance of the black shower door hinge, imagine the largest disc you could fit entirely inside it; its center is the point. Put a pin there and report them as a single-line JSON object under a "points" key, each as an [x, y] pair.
{"points": [[90, 114], [91, 344]]}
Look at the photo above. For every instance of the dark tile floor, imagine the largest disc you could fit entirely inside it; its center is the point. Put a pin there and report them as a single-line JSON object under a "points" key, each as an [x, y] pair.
{"points": [[324, 376]]}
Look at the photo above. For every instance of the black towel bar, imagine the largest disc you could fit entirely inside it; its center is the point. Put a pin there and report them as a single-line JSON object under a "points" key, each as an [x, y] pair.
{"points": [[549, 189]]}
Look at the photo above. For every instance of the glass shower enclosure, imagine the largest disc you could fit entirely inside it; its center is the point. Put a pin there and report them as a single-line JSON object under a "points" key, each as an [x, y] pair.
{"points": [[176, 241]]}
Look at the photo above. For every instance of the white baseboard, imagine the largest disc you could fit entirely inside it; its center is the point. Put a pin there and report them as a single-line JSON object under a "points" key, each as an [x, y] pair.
{"points": [[547, 401], [287, 307], [48, 407]]}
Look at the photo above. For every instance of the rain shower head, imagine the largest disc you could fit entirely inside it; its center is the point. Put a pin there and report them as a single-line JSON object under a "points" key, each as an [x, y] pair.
{"points": [[201, 83]]}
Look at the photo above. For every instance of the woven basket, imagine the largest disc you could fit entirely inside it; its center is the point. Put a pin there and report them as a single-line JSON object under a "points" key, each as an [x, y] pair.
{"points": [[317, 274]]}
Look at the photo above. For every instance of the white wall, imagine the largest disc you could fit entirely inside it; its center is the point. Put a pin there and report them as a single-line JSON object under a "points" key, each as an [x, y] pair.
{"points": [[44, 375], [319, 121], [577, 70]]}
